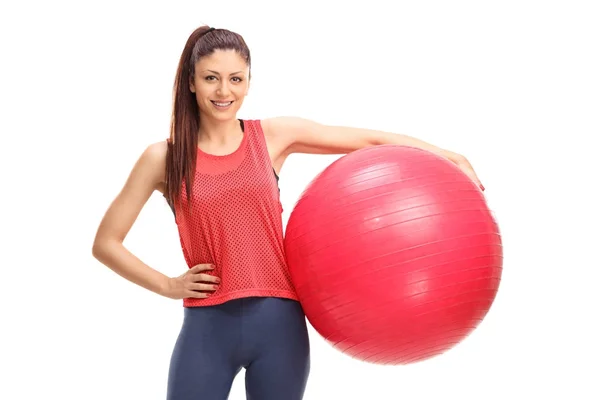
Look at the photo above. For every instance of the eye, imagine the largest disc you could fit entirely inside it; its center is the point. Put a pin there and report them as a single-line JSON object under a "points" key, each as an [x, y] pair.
{"points": [[238, 79], [210, 77]]}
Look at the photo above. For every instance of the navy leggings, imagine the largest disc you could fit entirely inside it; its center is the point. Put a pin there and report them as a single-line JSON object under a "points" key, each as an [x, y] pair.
{"points": [[265, 335]]}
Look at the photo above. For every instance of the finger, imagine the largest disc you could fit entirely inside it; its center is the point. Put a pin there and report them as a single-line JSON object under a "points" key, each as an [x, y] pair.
{"points": [[203, 286], [465, 165], [196, 295], [467, 169], [202, 267], [206, 278], [195, 268], [475, 179]]}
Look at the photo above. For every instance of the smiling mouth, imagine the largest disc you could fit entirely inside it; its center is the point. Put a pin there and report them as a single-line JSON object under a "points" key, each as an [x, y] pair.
{"points": [[221, 103]]}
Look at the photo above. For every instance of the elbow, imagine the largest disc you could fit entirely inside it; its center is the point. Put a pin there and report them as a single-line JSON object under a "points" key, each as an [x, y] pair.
{"points": [[97, 249], [100, 247]]}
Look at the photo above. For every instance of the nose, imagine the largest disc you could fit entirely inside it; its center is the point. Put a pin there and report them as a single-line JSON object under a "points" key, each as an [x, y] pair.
{"points": [[223, 89]]}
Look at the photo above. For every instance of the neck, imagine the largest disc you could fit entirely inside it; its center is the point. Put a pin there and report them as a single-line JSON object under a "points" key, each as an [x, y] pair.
{"points": [[218, 132]]}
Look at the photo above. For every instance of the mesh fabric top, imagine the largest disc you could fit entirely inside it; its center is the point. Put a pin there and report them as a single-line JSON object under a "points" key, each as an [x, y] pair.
{"points": [[235, 222]]}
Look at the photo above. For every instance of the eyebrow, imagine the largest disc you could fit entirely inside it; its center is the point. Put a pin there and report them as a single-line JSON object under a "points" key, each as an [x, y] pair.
{"points": [[216, 73]]}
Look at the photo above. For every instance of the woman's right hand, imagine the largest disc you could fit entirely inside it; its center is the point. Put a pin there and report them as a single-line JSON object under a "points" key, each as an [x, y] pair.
{"points": [[193, 283]]}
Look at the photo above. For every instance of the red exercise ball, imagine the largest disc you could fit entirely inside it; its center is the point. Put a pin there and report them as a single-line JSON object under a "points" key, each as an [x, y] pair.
{"points": [[394, 254]]}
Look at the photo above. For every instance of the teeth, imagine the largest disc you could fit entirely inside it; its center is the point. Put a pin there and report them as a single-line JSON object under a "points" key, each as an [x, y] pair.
{"points": [[222, 104]]}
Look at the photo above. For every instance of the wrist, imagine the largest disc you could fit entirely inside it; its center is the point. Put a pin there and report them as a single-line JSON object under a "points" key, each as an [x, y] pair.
{"points": [[164, 286], [450, 155]]}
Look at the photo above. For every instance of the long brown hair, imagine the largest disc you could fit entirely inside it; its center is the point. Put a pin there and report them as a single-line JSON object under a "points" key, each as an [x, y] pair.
{"points": [[185, 120]]}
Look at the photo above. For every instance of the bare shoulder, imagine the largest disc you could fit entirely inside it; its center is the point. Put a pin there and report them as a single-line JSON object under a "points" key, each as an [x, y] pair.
{"points": [[283, 133], [153, 161], [285, 125], [156, 152]]}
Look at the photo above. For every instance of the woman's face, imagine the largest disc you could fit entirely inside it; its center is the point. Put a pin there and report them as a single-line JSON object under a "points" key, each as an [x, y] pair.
{"points": [[221, 82]]}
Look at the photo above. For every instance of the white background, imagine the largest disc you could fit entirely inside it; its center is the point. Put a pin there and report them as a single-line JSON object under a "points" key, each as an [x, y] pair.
{"points": [[86, 86]]}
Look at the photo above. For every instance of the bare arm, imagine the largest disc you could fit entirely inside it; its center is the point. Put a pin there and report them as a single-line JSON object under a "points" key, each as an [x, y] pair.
{"points": [[146, 176], [298, 135]]}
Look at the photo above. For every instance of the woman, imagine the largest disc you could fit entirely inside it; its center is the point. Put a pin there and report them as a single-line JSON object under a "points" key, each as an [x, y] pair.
{"points": [[240, 308]]}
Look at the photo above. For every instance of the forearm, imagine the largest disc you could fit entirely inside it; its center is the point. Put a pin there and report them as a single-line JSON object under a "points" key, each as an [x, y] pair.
{"points": [[115, 256], [380, 138]]}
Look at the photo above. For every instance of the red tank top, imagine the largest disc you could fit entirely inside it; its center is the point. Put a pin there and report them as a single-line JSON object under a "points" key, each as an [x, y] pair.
{"points": [[235, 222]]}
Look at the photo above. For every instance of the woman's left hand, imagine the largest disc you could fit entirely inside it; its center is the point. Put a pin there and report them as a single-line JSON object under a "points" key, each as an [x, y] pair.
{"points": [[464, 164]]}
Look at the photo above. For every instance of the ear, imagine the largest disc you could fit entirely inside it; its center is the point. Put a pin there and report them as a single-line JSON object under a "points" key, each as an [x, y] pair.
{"points": [[192, 86]]}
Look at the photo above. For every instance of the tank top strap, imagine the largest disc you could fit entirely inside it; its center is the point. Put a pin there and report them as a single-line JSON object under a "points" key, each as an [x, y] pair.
{"points": [[256, 138]]}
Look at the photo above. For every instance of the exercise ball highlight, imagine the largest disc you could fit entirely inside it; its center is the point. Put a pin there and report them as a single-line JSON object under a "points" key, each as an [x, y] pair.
{"points": [[394, 254]]}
